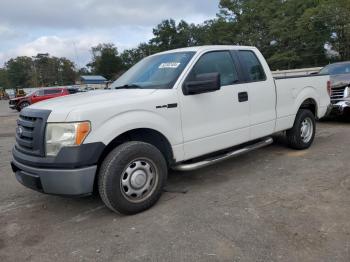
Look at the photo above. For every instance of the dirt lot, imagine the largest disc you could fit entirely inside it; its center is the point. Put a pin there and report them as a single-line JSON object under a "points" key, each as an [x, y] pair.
{"points": [[274, 204]]}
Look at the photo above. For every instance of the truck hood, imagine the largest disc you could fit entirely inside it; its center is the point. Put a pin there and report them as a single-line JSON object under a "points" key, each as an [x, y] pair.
{"points": [[19, 98], [62, 106]]}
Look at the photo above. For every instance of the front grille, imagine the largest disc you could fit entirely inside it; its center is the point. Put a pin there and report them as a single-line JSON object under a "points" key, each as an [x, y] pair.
{"points": [[12, 102], [30, 132], [337, 93]]}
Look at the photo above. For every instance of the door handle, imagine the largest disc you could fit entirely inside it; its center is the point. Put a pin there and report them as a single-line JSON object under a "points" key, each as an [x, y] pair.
{"points": [[243, 97]]}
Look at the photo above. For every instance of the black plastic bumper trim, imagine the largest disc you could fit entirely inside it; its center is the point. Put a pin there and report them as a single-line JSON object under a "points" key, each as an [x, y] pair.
{"points": [[65, 182], [67, 158]]}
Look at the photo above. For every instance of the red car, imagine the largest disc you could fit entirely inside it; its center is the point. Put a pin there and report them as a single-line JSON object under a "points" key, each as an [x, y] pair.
{"points": [[19, 103]]}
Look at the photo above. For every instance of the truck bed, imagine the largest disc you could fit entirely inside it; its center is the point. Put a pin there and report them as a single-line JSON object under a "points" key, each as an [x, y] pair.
{"points": [[290, 92]]}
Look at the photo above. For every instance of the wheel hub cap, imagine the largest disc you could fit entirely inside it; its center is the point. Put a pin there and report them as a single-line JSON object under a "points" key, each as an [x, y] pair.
{"points": [[307, 129], [138, 180]]}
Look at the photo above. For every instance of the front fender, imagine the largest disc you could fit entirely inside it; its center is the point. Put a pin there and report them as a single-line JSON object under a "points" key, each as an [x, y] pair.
{"points": [[169, 125]]}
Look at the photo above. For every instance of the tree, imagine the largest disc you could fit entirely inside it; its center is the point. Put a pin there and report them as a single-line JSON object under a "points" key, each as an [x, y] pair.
{"points": [[130, 57], [50, 71], [336, 19], [169, 35], [83, 71], [67, 73], [106, 61], [19, 72], [4, 81], [286, 32]]}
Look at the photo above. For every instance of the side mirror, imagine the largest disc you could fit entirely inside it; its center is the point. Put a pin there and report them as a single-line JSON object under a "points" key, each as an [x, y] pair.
{"points": [[203, 83]]}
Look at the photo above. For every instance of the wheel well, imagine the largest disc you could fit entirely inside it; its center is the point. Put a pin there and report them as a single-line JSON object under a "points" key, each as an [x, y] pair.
{"points": [[146, 135], [22, 101], [311, 105]]}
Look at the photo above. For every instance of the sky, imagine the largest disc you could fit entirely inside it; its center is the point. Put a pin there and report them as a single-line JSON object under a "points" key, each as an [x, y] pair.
{"points": [[69, 28]]}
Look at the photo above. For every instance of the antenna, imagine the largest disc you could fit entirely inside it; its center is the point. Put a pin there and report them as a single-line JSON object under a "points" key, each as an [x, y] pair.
{"points": [[76, 55]]}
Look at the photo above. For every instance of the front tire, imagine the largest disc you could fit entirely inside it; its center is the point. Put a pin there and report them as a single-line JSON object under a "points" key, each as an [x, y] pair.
{"points": [[22, 106], [132, 177], [302, 134]]}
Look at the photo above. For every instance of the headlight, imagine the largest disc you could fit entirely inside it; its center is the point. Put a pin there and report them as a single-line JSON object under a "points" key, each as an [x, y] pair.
{"points": [[60, 135]]}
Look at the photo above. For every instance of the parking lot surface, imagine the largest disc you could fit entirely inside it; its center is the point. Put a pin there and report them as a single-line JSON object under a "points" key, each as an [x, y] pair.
{"points": [[273, 204]]}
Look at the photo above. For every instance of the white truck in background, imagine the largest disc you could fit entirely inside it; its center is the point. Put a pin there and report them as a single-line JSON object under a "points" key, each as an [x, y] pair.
{"points": [[182, 109]]}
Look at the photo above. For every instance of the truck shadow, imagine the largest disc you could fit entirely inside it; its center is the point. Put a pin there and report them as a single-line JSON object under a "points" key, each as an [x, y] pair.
{"points": [[342, 119], [235, 168], [232, 171]]}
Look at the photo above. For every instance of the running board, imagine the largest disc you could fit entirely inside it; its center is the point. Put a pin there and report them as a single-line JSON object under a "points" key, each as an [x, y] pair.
{"points": [[219, 158]]}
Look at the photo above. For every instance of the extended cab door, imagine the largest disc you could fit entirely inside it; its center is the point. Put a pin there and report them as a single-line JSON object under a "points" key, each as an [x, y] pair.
{"points": [[261, 92], [216, 120]]}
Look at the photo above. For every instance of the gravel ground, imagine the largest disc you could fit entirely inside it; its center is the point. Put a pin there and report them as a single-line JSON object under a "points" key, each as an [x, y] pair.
{"points": [[274, 204]]}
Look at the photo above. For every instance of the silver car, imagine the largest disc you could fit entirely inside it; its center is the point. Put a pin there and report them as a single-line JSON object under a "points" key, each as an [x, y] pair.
{"points": [[340, 84]]}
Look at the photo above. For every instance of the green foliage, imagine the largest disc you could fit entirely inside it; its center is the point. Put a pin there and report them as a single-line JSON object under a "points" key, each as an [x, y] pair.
{"points": [[106, 61], [169, 35], [19, 71], [289, 33], [4, 81], [50, 71], [131, 56], [41, 70], [336, 13]]}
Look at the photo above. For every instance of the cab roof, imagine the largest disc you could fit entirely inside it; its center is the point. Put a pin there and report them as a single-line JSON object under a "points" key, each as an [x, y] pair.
{"points": [[208, 48]]}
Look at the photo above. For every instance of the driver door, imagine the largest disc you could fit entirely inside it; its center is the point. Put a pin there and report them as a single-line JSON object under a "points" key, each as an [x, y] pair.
{"points": [[216, 120], [37, 96]]}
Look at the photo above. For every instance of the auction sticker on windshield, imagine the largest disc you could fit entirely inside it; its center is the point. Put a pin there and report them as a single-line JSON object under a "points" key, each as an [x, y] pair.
{"points": [[169, 65]]}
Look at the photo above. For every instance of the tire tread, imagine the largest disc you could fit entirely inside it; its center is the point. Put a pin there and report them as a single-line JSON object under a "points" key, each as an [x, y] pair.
{"points": [[293, 135], [104, 188]]}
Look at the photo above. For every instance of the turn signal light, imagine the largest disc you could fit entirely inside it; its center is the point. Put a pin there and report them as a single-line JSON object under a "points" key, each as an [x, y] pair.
{"points": [[329, 88], [83, 130]]}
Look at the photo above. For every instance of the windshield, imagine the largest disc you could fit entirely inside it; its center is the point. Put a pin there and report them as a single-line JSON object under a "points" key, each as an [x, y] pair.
{"points": [[336, 69], [155, 72]]}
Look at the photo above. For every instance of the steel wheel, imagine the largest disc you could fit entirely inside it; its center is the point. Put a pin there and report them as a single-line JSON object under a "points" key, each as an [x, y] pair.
{"points": [[306, 130], [138, 180]]}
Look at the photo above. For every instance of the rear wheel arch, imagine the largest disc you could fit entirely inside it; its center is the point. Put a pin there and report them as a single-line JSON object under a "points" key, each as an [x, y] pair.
{"points": [[309, 104]]}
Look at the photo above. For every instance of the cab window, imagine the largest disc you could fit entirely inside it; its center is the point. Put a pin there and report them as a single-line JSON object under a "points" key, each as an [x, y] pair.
{"points": [[52, 91], [252, 66], [39, 93], [216, 62]]}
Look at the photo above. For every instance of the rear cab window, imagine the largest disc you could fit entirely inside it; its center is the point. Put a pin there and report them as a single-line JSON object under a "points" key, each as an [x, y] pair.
{"points": [[251, 66]]}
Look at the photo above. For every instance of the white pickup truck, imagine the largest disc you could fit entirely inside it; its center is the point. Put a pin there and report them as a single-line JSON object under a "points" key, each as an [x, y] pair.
{"points": [[182, 109]]}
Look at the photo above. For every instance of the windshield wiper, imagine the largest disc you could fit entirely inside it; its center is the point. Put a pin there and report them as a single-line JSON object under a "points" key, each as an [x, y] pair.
{"points": [[131, 86]]}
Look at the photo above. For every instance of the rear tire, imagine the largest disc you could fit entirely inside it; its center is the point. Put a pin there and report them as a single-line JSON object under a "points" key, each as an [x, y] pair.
{"points": [[132, 177], [302, 134]]}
